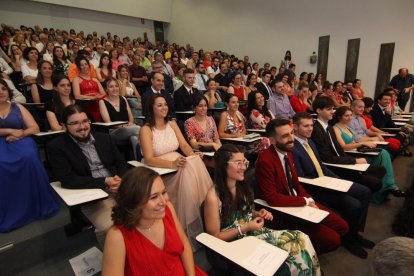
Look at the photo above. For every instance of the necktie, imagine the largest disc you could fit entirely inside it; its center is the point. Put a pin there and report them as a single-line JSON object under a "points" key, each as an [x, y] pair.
{"points": [[289, 176], [204, 81], [269, 90], [330, 138], [313, 158]]}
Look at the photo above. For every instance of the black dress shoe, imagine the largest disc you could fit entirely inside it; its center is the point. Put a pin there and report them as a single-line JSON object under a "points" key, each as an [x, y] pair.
{"points": [[365, 243], [355, 249], [397, 193]]}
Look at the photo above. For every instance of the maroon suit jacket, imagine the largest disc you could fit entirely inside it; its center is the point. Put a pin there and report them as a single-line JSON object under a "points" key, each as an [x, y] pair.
{"points": [[272, 182]]}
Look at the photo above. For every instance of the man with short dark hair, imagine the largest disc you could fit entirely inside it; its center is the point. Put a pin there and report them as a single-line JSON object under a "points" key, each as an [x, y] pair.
{"points": [[403, 84], [330, 151], [214, 69], [264, 86], [279, 103], [222, 79], [157, 87], [157, 67], [183, 97], [201, 77], [291, 71], [352, 205], [138, 75], [84, 160], [279, 185]]}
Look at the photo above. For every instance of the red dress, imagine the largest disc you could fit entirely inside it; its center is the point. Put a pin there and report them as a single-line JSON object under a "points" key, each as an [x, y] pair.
{"points": [[145, 258], [90, 88], [393, 143], [239, 92]]}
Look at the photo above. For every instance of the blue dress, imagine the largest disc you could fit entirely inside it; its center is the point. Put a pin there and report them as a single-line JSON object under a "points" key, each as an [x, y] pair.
{"points": [[25, 192]]}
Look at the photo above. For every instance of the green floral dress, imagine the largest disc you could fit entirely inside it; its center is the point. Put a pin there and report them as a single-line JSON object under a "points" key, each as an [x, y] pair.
{"points": [[302, 259]]}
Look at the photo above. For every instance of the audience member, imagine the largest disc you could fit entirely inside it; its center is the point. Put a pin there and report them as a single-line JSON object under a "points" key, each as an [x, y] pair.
{"points": [[138, 75], [221, 78], [279, 185], [160, 138], [299, 102], [42, 91], [201, 129], [214, 69], [157, 67], [82, 159], [62, 97], [143, 215], [87, 89], [60, 62], [259, 114], [330, 151], [345, 138], [230, 215], [279, 103], [26, 194], [183, 97], [74, 70], [30, 69], [232, 122], [201, 78], [352, 205], [403, 84], [213, 97], [115, 108], [263, 86], [104, 69], [157, 87]]}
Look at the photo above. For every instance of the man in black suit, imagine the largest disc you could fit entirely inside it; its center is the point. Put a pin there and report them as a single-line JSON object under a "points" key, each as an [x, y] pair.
{"points": [[157, 67], [352, 205], [82, 160], [264, 87], [157, 84], [330, 151], [381, 118], [183, 96]]}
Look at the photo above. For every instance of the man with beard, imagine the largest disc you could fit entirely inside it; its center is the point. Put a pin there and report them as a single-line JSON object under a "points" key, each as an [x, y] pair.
{"points": [[201, 78], [279, 185], [84, 160], [222, 79]]}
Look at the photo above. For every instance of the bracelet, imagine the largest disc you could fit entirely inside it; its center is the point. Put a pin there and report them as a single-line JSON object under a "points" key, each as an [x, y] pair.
{"points": [[241, 235]]}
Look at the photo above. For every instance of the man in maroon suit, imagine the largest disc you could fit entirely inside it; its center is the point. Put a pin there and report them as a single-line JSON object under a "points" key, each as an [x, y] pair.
{"points": [[279, 185]]}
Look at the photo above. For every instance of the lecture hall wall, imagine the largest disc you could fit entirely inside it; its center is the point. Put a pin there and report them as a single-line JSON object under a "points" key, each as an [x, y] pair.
{"points": [[265, 29]]}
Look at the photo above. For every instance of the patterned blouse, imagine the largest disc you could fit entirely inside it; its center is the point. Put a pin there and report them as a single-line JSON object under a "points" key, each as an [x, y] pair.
{"points": [[258, 120], [232, 127], [196, 132]]}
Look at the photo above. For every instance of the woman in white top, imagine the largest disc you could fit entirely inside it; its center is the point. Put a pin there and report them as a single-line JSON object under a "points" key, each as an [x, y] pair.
{"points": [[129, 90], [48, 55], [29, 69]]}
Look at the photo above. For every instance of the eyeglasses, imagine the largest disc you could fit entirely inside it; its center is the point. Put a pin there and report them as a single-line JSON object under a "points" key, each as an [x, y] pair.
{"points": [[78, 124], [240, 163]]}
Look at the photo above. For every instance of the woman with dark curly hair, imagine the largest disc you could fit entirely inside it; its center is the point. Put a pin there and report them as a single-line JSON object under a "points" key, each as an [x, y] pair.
{"points": [[229, 215]]}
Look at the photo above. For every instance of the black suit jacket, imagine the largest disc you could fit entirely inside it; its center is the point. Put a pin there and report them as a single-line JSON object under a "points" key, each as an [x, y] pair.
{"points": [[71, 168], [261, 87], [148, 93], [183, 101], [379, 119], [303, 163], [325, 149]]}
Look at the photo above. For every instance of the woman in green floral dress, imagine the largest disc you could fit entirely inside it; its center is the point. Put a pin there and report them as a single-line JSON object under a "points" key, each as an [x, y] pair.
{"points": [[229, 215]]}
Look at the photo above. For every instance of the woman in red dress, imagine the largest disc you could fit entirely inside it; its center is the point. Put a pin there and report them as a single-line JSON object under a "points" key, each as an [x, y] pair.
{"points": [[87, 89], [147, 238], [238, 89]]}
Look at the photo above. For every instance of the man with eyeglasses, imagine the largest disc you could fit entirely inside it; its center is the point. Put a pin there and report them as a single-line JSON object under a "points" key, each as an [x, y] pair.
{"points": [[279, 185], [84, 160]]}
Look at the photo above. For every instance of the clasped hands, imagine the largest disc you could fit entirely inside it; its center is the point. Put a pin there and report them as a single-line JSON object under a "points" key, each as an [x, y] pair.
{"points": [[113, 183], [15, 135]]}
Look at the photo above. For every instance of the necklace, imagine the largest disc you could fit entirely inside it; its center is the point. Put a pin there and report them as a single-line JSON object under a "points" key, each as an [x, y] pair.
{"points": [[147, 228]]}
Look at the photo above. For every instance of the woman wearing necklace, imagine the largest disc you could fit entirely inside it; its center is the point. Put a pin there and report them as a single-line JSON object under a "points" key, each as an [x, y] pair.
{"points": [[29, 69], [160, 139], [87, 89], [212, 96], [105, 68], [115, 108], [147, 237], [62, 98], [232, 122], [251, 82], [345, 137], [238, 89], [60, 62]]}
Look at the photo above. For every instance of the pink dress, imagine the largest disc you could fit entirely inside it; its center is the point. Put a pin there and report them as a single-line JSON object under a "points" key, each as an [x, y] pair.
{"points": [[188, 187]]}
